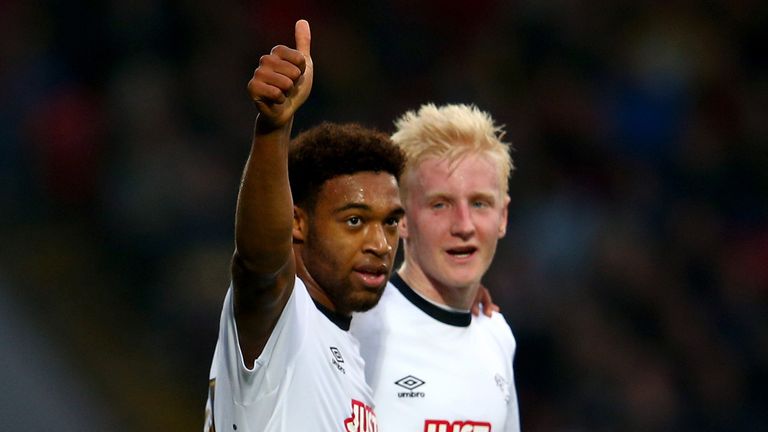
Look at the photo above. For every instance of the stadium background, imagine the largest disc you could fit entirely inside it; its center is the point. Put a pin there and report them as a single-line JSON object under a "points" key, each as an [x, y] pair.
{"points": [[634, 274]]}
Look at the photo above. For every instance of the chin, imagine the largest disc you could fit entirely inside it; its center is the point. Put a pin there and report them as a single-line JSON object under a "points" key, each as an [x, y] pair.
{"points": [[364, 307], [365, 302], [461, 282]]}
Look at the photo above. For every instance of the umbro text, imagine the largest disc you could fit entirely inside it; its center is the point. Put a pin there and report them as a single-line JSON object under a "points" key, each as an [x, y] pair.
{"points": [[411, 395]]}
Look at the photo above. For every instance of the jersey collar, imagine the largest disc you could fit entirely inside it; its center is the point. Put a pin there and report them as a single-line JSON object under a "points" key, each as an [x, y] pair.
{"points": [[341, 321], [457, 319]]}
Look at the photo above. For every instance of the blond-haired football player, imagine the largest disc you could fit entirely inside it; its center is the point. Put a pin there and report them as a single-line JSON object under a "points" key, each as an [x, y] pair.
{"points": [[433, 366]]}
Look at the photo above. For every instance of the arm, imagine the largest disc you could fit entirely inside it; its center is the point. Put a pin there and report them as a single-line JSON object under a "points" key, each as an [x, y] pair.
{"points": [[263, 266]]}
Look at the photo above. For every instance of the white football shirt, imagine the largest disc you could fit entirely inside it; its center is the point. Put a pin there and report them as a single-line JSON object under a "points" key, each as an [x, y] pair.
{"points": [[309, 377], [435, 370]]}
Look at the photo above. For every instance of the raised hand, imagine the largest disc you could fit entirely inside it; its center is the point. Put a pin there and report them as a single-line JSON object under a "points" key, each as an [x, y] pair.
{"points": [[283, 80]]}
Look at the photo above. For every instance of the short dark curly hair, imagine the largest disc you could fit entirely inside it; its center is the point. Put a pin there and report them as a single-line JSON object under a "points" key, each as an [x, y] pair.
{"points": [[329, 150]]}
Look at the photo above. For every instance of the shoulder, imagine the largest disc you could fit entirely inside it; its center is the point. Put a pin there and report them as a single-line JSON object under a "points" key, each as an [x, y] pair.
{"points": [[392, 313], [498, 327]]}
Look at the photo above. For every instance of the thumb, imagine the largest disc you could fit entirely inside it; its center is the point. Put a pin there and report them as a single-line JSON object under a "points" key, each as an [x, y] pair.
{"points": [[303, 37]]}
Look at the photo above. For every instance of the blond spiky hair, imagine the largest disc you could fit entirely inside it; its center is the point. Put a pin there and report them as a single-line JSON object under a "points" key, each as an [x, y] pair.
{"points": [[451, 131]]}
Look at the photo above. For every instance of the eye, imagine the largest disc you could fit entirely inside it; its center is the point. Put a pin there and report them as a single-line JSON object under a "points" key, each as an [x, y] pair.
{"points": [[438, 205], [354, 221], [480, 204], [392, 222]]}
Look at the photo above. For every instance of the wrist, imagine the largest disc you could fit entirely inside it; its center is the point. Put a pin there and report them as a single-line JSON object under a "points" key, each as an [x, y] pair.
{"points": [[265, 126]]}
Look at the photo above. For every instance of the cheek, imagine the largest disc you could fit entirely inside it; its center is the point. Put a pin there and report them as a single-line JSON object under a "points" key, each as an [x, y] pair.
{"points": [[493, 229], [331, 244], [341, 248], [430, 223], [437, 227]]}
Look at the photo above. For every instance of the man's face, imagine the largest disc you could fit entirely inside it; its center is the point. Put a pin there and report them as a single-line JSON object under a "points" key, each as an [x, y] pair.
{"points": [[352, 238], [455, 214]]}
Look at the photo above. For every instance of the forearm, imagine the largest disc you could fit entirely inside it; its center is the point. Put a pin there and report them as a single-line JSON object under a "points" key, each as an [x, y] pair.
{"points": [[264, 215]]}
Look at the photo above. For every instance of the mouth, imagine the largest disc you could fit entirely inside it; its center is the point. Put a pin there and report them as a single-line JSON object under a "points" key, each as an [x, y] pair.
{"points": [[372, 276], [462, 252]]}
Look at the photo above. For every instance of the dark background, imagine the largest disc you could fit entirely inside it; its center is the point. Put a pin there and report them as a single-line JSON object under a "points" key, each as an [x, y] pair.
{"points": [[634, 274]]}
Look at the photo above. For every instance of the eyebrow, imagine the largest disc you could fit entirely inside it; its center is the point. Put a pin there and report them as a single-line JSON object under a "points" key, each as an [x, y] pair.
{"points": [[350, 206], [398, 211], [446, 196], [485, 195]]}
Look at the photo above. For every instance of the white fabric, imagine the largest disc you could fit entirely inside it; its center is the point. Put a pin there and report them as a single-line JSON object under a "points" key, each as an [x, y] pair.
{"points": [[310, 376], [468, 380]]}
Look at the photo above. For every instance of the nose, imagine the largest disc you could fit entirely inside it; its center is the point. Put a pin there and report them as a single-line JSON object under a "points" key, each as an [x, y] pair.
{"points": [[462, 225], [376, 241]]}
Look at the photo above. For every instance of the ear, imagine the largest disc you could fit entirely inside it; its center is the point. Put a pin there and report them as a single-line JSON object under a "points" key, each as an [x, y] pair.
{"points": [[300, 224], [402, 227], [504, 216]]}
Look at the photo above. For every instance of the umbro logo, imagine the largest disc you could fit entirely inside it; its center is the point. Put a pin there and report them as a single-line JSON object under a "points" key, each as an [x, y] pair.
{"points": [[337, 354], [337, 359], [410, 383]]}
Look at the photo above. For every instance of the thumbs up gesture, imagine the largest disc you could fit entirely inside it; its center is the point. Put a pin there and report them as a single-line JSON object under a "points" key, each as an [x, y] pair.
{"points": [[283, 80]]}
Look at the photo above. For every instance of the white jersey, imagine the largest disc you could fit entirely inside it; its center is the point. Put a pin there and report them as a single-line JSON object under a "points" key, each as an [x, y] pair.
{"points": [[434, 370], [309, 377]]}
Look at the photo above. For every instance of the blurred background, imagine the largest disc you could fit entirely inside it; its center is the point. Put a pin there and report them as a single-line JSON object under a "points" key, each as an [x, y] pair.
{"points": [[634, 274]]}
